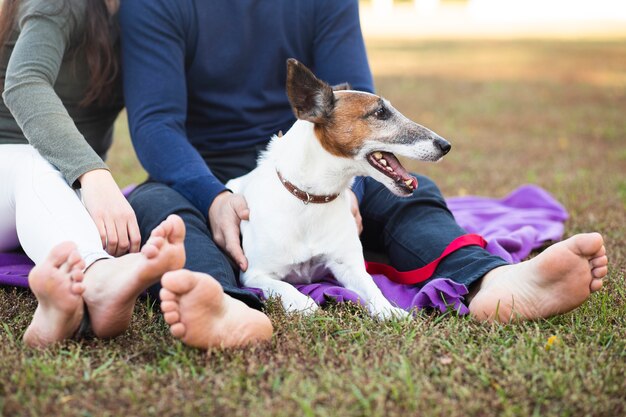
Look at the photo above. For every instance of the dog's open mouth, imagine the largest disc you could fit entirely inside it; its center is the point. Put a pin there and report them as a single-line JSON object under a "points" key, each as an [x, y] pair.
{"points": [[388, 164]]}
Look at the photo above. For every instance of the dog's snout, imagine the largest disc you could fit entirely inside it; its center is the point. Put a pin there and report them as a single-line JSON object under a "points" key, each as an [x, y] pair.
{"points": [[443, 145]]}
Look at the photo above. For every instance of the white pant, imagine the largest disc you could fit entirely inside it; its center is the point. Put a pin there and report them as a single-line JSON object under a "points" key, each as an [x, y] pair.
{"points": [[39, 210]]}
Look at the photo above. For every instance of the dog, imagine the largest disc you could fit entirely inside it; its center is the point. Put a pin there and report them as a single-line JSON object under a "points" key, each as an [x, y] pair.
{"points": [[301, 227]]}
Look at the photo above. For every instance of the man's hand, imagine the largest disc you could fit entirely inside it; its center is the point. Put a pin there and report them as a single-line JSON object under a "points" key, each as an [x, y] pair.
{"points": [[225, 215], [354, 207], [110, 211]]}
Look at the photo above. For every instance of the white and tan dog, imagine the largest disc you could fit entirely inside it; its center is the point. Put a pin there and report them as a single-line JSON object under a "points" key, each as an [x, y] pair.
{"points": [[301, 226]]}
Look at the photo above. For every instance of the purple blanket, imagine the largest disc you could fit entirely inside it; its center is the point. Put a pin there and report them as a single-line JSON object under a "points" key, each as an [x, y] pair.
{"points": [[513, 226]]}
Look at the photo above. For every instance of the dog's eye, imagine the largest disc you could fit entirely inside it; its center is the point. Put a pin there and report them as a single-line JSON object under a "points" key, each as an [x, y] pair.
{"points": [[381, 113]]}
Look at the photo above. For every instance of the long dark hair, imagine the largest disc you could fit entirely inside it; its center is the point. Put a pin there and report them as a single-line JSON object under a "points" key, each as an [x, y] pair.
{"points": [[97, 42]]}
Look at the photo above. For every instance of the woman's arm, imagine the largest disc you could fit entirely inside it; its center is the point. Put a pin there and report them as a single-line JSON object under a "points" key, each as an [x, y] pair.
{"points": [[29, 95]]}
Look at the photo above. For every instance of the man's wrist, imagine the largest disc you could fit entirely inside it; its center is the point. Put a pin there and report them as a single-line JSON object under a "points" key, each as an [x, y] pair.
{"points": [[217, 199]]}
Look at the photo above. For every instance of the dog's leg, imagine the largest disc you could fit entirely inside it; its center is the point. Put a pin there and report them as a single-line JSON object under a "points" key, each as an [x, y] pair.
{"points": [[354, 277], [291, 299]]}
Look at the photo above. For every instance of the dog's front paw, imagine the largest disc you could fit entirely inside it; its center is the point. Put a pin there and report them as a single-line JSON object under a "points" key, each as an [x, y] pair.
{"points": [[304, 305]]}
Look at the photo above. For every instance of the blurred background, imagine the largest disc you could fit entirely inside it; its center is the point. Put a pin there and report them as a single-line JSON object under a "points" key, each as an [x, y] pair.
{"points": [[493, 18]]}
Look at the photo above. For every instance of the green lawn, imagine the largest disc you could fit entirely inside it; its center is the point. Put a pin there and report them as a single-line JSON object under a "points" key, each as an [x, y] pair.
{"points": [[551, 113]]}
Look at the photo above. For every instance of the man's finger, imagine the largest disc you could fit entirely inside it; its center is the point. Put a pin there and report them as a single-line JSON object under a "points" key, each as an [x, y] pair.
{"points": [[244, 214], [241, 208], [218, 238], [233, 247]]}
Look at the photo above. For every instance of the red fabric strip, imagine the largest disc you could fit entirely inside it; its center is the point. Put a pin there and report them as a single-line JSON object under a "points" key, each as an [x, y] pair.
{"points": [[422, 274]]}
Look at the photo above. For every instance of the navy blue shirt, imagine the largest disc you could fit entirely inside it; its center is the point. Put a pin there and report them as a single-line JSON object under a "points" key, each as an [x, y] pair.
{"points": [[209, 76]]}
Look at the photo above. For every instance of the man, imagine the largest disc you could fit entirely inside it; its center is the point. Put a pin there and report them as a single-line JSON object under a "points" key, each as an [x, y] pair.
{"points": [[204, 88]]}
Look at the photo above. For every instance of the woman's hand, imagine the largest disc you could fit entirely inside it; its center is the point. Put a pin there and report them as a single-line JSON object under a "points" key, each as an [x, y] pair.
{"points": [[111, 212], [225, 215]]}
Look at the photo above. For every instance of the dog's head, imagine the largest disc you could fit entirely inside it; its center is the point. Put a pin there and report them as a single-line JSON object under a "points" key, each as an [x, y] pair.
{"points": [[363, 127]]}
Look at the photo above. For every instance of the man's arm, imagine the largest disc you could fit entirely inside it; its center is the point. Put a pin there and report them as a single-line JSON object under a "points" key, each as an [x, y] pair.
{"points": [[339, 52], [155, 35], [154, 41]]}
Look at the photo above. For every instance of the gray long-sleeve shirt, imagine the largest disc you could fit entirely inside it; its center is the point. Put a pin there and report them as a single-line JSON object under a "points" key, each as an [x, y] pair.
{"points": [[43, 86]]}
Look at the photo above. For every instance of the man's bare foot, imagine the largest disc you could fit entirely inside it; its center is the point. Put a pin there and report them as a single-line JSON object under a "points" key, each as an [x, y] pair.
{"points": [[556, 281], [113, 285], [57, 284], [201, 315]]}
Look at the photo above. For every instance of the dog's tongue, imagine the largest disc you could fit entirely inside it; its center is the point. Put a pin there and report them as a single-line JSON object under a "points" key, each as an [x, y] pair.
{"points": [[398, 169]]}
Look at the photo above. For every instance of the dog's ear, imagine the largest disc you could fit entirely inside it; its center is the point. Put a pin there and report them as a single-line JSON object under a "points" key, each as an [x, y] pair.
{"points": [[342, 86], [311, 98]]}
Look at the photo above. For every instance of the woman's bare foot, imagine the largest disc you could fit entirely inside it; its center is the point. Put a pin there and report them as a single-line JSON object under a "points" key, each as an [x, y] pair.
{"points": [[57, 284], [201, 315], [556, 281], [113, 285]]}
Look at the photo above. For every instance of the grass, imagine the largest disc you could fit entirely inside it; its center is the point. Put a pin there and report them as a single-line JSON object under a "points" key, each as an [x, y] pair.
{"points": [[550, 113]]}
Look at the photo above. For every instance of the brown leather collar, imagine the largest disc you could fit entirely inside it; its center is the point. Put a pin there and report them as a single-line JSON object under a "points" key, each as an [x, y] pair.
{"points": [[305, 197]]}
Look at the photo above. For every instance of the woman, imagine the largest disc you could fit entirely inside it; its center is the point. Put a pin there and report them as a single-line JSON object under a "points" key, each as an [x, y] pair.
{"points": [[61, 94]]}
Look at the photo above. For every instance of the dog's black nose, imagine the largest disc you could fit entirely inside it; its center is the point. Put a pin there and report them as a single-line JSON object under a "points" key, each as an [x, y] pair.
{"points": [[443, 144]]}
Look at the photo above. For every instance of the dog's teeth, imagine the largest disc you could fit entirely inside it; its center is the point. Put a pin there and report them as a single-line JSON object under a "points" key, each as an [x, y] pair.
{"points": [[378, 155], [389, 169], [383, 162], [409, 183]]}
